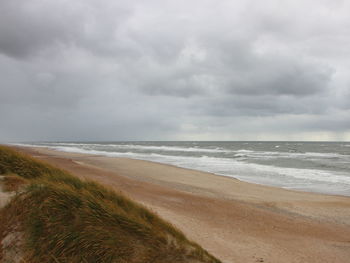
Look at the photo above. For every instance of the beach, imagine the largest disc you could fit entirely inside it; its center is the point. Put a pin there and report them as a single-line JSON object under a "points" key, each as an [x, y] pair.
{"points": [[234, 220]]}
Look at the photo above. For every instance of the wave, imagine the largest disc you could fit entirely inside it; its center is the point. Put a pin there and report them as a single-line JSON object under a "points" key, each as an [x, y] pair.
{"points": [[274, 155], [241, 154], [88, 151], [168, 148], [143, 147], [244, 153], [238, 165], [225, 166]]}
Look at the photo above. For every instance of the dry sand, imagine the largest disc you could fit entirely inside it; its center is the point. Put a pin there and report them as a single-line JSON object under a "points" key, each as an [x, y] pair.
{"points": [[4, 196], [234, 220]]}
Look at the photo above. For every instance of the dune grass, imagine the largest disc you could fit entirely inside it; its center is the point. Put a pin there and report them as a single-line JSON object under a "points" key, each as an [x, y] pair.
{"points": [[65, 219], [13, 183]]}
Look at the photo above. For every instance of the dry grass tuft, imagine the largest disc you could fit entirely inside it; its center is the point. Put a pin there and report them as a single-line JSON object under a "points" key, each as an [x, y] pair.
{"points": [[13, 183], [65, 219]]}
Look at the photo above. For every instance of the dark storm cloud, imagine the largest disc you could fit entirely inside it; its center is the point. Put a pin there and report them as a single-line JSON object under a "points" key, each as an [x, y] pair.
{"points": [[28, 28], [34, 27], [164, 70]]}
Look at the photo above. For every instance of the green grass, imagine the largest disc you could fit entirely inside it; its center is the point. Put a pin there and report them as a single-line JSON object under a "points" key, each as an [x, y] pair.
{"points": [[65, 219]]}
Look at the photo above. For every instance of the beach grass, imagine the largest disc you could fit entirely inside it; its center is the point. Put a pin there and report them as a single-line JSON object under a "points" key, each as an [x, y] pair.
{"points": [[65, 219]]}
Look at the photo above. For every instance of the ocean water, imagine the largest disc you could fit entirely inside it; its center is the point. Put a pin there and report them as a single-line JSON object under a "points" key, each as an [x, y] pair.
{"points": [[307, 166]]}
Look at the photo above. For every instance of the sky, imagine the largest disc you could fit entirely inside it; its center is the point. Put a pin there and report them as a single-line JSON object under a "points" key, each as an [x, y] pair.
{"points": [[174, 70]]}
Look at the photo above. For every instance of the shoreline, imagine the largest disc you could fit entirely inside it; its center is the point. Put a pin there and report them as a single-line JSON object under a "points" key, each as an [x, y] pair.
{"points": [[234, 220], [49, 150], [191, 169]]}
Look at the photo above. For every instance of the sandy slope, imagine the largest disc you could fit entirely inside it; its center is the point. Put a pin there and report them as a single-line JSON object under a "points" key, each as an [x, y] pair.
{"points": [[235, 221], [4, 196]]}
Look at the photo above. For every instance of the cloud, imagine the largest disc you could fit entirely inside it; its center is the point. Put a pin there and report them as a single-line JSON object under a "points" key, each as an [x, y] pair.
{"points": [[31, 27], [37, 27], [281, 77], [165, 70]]}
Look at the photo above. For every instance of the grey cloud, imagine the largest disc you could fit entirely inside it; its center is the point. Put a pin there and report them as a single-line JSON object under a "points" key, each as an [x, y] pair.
{"points": [[286, 78], [36, 27], [30, 27], [176, 85], [45, 88], [236, 69], [260, 106], [168, 70]]}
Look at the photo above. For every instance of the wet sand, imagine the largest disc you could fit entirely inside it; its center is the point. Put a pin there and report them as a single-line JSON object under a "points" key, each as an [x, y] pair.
{"points": [[233, 220]]}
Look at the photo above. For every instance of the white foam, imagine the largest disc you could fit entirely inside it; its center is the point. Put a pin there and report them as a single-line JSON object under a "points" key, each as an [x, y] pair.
{"points": [[274, 155], [244, 151], [237, 153], [145, 147], [266, 174], [227, 165], [167, 148], [88, 151]]}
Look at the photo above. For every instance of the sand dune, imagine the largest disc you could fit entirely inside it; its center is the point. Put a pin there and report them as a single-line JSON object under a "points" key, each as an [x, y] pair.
{"points": [[234, 220]]}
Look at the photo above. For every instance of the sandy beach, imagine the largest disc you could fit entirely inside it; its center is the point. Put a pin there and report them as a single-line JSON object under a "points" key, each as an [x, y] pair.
{"points": [[233, 220]]}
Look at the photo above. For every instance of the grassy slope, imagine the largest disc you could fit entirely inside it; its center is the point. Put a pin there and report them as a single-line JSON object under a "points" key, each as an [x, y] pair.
{"points": [[65, 219]]}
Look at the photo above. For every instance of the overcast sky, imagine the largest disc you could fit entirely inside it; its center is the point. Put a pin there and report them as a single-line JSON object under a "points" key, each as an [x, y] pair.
{"points": [[174, 70]]}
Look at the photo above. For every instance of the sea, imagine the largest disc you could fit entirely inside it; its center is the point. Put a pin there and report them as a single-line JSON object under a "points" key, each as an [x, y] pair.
{"points": [[322, 167]]}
